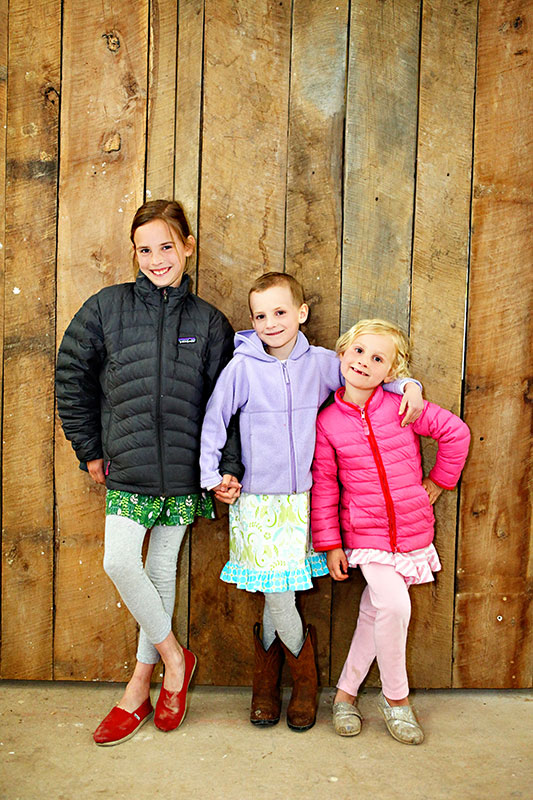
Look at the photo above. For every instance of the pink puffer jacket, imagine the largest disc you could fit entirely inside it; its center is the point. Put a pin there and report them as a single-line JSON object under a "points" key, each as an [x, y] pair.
{"points": [[383, 504]]}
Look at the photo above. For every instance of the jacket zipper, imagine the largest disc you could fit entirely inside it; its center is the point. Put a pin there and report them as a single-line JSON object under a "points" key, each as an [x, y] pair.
{"points": [[158, 396], [291, 441], [367, 427]]}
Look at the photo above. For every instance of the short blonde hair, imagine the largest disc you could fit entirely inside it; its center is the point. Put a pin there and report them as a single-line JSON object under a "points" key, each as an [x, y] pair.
{"points": [[400, 365], [270, 279]]}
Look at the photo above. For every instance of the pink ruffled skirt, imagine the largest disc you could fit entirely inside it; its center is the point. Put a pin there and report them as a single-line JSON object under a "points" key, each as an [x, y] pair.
{"points": [[415, 567]]}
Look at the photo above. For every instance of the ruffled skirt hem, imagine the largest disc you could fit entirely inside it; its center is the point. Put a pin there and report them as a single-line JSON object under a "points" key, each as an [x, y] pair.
{"points": [[415, 567], [282, 580]]}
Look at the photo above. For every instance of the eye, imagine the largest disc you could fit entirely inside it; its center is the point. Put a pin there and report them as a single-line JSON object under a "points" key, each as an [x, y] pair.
{"points": [[358, 349], [259, 316], [378, 359], [167, 247], [280, 313], [144, 250]]}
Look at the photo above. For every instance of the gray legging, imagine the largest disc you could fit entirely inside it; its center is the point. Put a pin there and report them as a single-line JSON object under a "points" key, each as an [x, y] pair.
{"points": [[148, 591], [280, 614]]}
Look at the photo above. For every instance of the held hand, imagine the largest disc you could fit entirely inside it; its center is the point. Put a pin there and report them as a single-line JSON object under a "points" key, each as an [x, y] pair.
{"points": [[96, 470], [413, 401], [337, 564], [228, 490], [432, 489]]}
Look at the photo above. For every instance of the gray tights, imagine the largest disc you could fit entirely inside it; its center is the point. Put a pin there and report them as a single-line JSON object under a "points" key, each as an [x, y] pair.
{"points": [[148, 591], [280, 614]]}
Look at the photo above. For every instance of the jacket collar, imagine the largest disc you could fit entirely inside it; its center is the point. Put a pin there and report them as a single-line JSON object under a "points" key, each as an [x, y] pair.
{"points": [[248, 343], [373, 402], [152, 295]]}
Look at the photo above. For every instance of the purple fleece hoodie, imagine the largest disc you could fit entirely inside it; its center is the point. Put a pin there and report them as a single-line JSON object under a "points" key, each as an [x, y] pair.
{"points": [[278, 404]]}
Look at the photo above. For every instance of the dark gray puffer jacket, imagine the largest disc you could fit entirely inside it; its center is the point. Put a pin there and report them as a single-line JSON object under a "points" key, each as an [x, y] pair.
{"points": [[134, 372]]}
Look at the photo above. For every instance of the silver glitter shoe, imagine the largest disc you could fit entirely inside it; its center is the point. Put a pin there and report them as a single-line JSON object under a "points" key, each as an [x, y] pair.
{"points": [[347, 719], [401, 722]]}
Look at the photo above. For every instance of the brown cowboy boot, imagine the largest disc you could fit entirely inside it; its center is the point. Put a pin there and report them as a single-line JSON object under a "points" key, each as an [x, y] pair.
{"points": [[266, 697], [301, 713]]}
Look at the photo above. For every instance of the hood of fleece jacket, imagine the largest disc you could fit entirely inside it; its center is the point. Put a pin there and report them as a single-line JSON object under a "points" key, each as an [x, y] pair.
{"points": [[248, 343]]}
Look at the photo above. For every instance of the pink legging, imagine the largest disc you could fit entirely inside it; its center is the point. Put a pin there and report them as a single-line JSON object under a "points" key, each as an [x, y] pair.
{"points": [[381, 633]]}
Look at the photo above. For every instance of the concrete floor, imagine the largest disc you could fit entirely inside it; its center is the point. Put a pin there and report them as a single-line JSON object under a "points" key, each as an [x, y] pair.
{"points": [[478, 746]]}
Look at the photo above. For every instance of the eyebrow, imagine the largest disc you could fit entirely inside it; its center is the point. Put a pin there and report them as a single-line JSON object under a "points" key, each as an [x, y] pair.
{"points": [[137, 246]]}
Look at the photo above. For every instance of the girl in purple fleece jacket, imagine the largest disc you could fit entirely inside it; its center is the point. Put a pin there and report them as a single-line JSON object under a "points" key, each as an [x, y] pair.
{"points": [[278, 381]]}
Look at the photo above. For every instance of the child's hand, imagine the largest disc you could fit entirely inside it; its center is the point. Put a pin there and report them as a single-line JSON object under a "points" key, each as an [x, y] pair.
{"points": [[96, 470], [432, 489], [337, 564], [228, 490], [413, 401]]}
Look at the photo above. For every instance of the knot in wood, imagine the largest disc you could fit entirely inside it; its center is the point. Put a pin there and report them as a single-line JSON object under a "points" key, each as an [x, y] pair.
{"points": [[113, 41], [113, 143]]}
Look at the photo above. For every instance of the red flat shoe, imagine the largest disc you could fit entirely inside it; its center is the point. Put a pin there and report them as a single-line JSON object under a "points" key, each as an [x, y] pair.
{"points": [[120, 725], [171, 707]]}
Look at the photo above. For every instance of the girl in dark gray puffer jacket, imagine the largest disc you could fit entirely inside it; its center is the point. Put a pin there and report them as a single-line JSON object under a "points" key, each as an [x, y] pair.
{"points": [[135, 370]]}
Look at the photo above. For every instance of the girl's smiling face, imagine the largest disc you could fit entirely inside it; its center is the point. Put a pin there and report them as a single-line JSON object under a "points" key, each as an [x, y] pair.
{"points": [[366, 363], [161, 254], [276, 319]]}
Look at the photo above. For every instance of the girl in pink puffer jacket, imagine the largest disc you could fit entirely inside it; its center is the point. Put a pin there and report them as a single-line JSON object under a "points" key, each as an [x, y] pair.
{"points": [[371, 507]]}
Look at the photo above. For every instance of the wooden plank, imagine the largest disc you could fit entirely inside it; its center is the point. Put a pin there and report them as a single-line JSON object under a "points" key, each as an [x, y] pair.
{"points": [[381, 119], [439, 283], [314, 205], [186, 190], [103, 123], [30, 245], [161, 99], [493, 641], [380, 152], [242, 234]]}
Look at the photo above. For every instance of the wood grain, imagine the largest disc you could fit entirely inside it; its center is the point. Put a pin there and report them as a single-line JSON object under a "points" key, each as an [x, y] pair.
{"points": [[103, 124], [29, 330], [161, 99], [493, 644], [439, 284]]}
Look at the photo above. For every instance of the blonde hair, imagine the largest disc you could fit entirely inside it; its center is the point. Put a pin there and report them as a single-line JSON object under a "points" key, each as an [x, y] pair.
{"points": [[270, 279], [400, 364]]}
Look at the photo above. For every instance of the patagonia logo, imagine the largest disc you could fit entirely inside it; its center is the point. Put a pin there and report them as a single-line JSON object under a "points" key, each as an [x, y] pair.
{"points": [[186, 339]]}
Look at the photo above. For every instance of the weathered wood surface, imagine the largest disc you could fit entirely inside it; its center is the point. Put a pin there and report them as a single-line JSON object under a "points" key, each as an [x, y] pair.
{"points": [[252, 94], [439, 285], [381, 118], [103, 124], [242, 234], [30, 245], [493, 620], [161, 99]]}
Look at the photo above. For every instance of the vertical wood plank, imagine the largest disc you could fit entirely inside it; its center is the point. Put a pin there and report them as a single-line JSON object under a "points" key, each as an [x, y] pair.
{"points": [[314, 205], [439, 283], [30, 245], [380, 151], [493, 642], [242, 226], [188, 126], [161, 99], [103, 124], [381, 119]]}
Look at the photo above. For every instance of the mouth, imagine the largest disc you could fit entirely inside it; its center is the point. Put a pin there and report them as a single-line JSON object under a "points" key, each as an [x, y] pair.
{"points": [[360, 372], [160, 272]]}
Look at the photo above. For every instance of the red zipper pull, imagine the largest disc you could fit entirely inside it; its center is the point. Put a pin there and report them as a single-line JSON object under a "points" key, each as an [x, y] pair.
{"points": [[107, 468]]}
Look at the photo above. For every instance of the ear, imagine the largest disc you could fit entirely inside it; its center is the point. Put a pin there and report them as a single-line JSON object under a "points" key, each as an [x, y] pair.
{"points": [[189, 245], [303, 313]]}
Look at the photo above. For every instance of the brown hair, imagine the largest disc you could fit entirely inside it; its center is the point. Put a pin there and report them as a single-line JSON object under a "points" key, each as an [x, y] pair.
{"points": [[270, 279], [169, 211], [400, 365]]}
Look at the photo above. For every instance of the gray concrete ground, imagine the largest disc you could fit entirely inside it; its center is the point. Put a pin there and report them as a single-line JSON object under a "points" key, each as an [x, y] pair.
{"points": [[478, 746]]}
